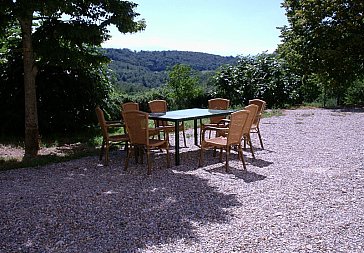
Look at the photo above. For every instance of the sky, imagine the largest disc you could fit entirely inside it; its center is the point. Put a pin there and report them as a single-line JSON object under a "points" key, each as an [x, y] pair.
{"points": [[221, 27]]}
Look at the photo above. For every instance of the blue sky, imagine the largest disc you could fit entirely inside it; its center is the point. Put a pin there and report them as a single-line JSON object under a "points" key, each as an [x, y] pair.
{"points": [[222, 27]]}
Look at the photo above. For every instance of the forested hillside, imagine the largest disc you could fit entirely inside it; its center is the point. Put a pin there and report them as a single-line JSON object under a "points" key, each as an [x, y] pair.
{"points": [[137, 71]]}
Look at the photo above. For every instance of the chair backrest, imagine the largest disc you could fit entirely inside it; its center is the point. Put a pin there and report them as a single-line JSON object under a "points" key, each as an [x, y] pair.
{"points": [[136, 123], [129, 106], [253, 109], [102, 122], [237, 121], [157, 105], [218, 104], [261, 107]]}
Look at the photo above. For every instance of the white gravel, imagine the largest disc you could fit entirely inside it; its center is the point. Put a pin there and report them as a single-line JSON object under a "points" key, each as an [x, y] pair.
{"points": [[303, 193]]}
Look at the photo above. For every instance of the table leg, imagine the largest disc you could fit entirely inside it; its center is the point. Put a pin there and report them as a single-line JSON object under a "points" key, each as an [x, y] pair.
{"points": [[176, 145], [195, 131]]}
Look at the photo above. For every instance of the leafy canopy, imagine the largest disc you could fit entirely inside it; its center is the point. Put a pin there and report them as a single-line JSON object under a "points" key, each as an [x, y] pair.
{"points": [[183, 85], [67, 69], [325, 37]]}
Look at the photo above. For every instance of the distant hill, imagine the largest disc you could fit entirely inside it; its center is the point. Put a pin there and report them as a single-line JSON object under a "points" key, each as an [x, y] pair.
{"points": [[137, 71]]}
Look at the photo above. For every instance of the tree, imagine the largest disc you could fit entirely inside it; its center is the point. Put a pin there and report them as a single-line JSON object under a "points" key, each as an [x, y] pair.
{"points": [[326, 38], [264, 76], [183, 85], [84, 21]]}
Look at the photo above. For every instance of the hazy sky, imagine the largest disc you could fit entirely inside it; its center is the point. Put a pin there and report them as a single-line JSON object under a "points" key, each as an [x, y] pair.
{"points": [[223, 27]]}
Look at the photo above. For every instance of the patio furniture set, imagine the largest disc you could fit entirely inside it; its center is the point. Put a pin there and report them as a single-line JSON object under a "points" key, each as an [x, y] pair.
{"points": [[226, 129]]}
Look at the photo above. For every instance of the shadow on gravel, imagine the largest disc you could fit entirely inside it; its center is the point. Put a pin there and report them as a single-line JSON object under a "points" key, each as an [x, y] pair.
{"points": [[258, 162], [209, 159], [247, 176], [257, 149], [105, 209], [349, 109]]}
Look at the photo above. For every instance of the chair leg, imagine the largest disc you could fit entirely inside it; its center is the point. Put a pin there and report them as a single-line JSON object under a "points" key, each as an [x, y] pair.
{"points": [[136, 154], [227, 159], [220, 155], [141, 153], [168, 159], [201, 131], [102, 150], [200, 161], [149, 163], [251, 145], [130, 150], [184, 134], [107, 154], [260, 138], [240, 150]]}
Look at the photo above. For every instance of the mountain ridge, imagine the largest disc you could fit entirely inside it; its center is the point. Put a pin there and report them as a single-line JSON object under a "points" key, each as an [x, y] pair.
{"points": [[140, 70]]}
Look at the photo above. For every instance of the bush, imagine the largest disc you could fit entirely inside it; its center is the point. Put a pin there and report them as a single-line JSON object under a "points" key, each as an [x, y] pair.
{"points": [[263, 76], [355, 93]]}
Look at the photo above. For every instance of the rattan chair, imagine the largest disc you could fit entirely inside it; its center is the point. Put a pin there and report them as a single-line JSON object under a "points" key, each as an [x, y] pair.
{"points": [[253, 109], [255, 126], [136, 123], [231, 138], [215, 104], [129, 106], [161, 106], [107, 138]]}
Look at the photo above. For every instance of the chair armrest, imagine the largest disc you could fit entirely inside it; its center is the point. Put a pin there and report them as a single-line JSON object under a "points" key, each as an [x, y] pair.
{"points": [[213, 128], [220, 130], [155, 131], [114, 123]]}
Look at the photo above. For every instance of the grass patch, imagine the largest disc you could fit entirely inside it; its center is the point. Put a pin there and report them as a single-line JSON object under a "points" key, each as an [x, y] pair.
{"points": [[53, 149], [40, 160], [272, 113]]}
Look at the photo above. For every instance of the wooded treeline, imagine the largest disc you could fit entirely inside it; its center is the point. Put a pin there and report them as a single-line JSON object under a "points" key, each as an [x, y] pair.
{"points": [[139, 71]]}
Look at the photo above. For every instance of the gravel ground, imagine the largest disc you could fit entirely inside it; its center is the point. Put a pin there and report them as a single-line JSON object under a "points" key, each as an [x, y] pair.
{"points": [[303, 193]]}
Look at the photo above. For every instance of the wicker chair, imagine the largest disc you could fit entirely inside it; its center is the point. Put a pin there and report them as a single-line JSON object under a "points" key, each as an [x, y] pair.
{"points": [[255, 126], [128, 106], [161, 106], [139, 133], [107, 138], [232, 138], [215, 104], [253, 109]]}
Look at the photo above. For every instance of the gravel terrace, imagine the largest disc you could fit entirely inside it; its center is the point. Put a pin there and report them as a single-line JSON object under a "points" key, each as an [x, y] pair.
{"points": [[303, 193]]}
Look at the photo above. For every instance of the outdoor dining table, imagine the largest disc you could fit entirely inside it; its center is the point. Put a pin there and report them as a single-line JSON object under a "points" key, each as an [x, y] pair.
{"points": [[179, 116]]}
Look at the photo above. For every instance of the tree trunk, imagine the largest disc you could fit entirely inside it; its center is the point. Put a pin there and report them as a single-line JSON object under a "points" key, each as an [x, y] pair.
{"points": [[30, 96]]}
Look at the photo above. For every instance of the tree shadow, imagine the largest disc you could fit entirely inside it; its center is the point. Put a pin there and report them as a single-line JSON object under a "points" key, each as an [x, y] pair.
{"points": [[258, 162], [84, 208], [349, 109], [238, 172], [246, 175], [209, 159], [16, 159]]}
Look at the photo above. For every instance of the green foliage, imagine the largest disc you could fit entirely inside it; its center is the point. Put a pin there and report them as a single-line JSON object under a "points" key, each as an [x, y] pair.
{"points": [[164, 60], [310, 88], [140, 71], [264, 76], [325, 38], [183, 86], [67, 97], [355, 93], [66, 67]]}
